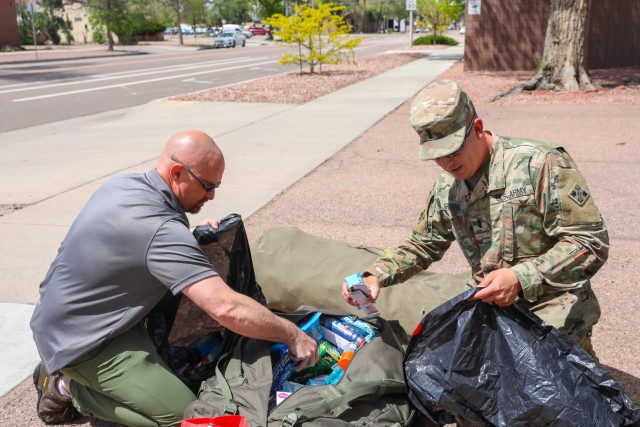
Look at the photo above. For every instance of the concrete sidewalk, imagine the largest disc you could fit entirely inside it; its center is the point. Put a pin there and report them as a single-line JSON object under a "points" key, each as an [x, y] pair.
{"points": [[54, 168]]}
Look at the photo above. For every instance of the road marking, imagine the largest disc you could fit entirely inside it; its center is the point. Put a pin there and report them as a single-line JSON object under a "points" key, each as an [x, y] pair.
{"points": [[93, 89], [199, 81], [133, 73]]}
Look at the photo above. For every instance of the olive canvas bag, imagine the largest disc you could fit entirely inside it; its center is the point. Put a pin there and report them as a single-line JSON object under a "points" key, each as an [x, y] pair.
{"points": [[372, 391]]}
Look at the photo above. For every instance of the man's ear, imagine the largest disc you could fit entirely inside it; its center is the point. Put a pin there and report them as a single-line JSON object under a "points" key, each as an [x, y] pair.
{"points": [[478, 126], [175, 171]]}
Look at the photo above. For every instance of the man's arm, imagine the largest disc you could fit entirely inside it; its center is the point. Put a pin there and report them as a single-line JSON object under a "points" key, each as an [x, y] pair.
{"points": [[570, 216], [430, 238], [243, 315]]}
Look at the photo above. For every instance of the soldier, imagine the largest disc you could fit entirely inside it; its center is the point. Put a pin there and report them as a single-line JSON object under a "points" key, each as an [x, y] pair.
{"points": [[519, 209]]}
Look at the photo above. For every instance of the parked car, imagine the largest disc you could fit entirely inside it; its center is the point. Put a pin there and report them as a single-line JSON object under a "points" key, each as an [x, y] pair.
{"points": [[259, 31], [229, 39], [461, 30], [248, 34]]}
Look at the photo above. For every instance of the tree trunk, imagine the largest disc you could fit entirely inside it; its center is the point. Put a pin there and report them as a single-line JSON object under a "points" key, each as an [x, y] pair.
{"points": [[177, 7], [564, 61], [109, 35]]}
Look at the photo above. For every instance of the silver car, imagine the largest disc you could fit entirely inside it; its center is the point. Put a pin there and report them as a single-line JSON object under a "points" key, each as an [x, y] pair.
{"points": [[229, 39]]}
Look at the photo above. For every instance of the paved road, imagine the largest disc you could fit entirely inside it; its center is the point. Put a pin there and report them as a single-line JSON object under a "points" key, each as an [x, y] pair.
{"points": [[38, 93]]}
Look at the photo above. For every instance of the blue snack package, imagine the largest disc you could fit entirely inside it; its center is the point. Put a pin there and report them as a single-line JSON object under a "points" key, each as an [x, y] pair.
{"points": [[311, 326], [282, 369]]}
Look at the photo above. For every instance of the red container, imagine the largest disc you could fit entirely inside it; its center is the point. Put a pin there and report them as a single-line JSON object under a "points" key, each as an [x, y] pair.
{"points": [[222, 421]]}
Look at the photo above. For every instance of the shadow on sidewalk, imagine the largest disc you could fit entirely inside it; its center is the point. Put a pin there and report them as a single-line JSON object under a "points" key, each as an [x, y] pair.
{"points": [[630, 384]]}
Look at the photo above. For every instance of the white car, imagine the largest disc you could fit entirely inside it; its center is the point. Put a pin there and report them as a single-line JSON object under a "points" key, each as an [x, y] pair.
{"points": [[229, 39], [461, 31]]}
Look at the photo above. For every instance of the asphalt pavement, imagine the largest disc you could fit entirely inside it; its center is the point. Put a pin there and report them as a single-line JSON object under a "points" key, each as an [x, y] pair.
{"points": [[52, 169]]}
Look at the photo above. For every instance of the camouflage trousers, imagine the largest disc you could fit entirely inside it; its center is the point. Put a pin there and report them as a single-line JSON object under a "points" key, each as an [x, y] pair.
{"points": [[573, 312]]}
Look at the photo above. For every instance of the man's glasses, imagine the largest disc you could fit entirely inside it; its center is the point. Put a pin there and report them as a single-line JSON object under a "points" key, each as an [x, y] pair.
{"points": [[466, 135], [207, 187]]}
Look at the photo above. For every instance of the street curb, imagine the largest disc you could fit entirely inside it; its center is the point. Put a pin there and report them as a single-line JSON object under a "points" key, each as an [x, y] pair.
{"points": [[72, 58]]}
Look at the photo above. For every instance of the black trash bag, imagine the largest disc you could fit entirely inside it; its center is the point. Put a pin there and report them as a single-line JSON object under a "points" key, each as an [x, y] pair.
{"points": [[185, 336], [477, 364]]}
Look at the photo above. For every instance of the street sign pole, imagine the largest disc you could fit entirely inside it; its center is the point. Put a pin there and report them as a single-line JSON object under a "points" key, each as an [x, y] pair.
{"points": [[411, 6], [411, 28]]}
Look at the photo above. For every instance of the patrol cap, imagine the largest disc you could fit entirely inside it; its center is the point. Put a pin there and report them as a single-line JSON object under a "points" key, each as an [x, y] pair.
{"points": [[441, 114]]}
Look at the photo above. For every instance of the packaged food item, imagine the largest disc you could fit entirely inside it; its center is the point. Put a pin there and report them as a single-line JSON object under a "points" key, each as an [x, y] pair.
{"points": [[290, 386], [310, 325], [335, 376], [359, 292], [329, 352], [319, 380], [282, 369], [280, 396]]}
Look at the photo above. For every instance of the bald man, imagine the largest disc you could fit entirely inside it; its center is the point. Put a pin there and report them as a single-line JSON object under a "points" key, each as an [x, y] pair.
{"points": [[128, 246]]}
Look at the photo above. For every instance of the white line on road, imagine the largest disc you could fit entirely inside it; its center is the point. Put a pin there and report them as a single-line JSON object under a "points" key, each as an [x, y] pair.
{"points": [[136, 73], [93, 89], [199, 81]]}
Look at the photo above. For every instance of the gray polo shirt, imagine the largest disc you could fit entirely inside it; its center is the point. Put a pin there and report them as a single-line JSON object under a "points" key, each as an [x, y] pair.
{"points": [[127, 247]]}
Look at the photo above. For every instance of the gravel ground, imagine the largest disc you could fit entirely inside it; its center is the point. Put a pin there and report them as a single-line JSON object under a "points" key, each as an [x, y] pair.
{"points": [[368, 192], [298, 88]]}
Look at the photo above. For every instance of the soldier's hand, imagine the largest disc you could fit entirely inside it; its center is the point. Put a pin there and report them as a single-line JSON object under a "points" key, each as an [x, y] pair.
{"points": [[500, 287], [373, 285]]}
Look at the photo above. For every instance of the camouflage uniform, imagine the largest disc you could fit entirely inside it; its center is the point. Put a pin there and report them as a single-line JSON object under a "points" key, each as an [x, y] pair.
{"points": [[530, 211]]}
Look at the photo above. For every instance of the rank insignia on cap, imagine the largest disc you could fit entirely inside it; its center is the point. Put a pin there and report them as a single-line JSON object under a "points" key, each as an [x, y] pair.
{"points": [[578, 194]]}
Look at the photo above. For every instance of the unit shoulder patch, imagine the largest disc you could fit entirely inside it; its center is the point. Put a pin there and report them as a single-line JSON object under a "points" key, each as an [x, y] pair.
{"points": [[578, 194]]}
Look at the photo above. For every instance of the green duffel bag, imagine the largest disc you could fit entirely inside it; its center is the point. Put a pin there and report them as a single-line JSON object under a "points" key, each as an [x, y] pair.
{"points": [[372, 391], [295, 268]]}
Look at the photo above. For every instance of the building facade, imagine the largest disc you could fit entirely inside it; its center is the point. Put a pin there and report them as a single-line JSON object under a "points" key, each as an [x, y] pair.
{"points": [[510, 35], [9, 35]]}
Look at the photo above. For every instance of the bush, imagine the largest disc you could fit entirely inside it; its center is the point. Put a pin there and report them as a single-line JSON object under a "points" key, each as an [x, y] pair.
{"points": [[427, 40], [147, 28], [99, 36]]}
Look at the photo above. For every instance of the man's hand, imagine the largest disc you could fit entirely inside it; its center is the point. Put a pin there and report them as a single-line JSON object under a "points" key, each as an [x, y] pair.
{"points": [[500, 287], [303, 351], [210, 221], [373, 285]]}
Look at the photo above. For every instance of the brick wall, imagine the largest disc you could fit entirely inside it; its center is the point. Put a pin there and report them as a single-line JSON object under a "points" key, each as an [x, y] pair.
{"points": [[509, 35], [614, 34], [8, 24]]}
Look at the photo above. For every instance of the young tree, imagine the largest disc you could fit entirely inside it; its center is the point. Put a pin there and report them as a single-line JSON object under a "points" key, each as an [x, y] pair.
{"points": [[322, 34], [564, 59], [230, 11], [266, 8], [177, 6], [112, 15], [439, 13], [194, 12]]}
